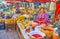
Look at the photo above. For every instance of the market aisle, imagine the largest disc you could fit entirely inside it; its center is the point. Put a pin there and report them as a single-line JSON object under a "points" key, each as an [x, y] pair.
{"points": [[8, 35]]}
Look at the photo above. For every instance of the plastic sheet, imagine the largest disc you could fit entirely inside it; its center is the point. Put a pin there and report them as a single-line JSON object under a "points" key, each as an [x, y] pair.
{"points": [[36, 4]]}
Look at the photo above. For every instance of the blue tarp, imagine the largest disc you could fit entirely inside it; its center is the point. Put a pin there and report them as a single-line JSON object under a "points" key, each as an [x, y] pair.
{"points": [[1, 9], [36, 4], [2, 25], [27, 3]]}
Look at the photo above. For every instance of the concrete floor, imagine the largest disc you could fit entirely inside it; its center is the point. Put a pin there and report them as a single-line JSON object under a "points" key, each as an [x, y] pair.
{"points": [[8, 34]]}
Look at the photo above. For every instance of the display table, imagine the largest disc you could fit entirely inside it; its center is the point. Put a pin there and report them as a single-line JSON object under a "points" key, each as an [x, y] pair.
{"points": [[23, 35], [21, 32], [10, 24]]}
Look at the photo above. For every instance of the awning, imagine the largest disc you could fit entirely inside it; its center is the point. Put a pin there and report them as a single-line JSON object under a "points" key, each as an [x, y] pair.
{"points": [[41, 0], [14, 1], [10, 1], [36, 0], [28, 0], [44, 0], [57, 10]]}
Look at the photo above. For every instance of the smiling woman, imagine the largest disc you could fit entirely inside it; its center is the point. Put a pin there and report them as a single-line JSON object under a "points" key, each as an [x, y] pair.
{"points": [[42, 17]]}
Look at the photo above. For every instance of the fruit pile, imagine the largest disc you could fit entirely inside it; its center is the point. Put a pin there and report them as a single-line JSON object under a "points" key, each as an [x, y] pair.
{"points": [[48, 31], [24, 24]]}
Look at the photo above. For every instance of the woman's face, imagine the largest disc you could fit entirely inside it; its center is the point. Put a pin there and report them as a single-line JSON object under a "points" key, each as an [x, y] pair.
{"points": [[42, 11]]}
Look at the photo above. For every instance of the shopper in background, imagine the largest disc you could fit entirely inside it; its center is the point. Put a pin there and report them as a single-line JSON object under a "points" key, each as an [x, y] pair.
{"points": [[7, 16], [17, 11], [2, 15], [14, 15], [42, 17], [57, 23]]}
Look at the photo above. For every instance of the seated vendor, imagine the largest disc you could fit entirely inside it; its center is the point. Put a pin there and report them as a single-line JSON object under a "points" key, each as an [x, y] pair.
{"points": [[42, 17]]}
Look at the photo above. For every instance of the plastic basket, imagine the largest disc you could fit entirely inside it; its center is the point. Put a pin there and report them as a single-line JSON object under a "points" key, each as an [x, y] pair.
{"points": [[35, 38], [2, 25]]}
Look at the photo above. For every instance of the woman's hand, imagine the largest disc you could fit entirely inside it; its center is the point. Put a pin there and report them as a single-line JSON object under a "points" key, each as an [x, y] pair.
{"points": [[40, 22]]}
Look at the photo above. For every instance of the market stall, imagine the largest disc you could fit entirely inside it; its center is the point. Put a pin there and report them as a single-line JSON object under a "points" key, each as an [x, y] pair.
{"points": [[31, 19]]}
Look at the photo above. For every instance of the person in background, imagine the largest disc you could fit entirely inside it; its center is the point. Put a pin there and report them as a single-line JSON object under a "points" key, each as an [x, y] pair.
{"points": [[17, 11], [42, 17], [15, 15], [7, 16], [2, 15], [57, 23]]}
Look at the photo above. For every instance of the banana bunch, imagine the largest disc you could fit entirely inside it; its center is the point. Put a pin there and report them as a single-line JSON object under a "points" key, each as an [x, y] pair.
{"points": [[23, 11], [48, 33], [24, 24], [20, 18], [31, 11], [2, 20], [37, 10], [27, 24], [13, 9]]}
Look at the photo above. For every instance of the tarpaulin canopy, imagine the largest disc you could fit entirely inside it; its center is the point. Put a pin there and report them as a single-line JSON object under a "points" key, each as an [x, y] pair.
{"points": [[36, 4], [36, 0], [41, 0], [57, 10], [10, 1], [14, 1], [28, 0], [44, 0]]}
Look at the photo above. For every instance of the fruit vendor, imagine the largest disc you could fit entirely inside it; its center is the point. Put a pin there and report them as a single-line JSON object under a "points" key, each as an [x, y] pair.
{"points": [[42, 17]]}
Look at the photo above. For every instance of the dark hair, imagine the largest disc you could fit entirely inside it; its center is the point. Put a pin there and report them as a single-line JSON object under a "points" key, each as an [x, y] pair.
{"points": [[41, 8], [39, 3]]}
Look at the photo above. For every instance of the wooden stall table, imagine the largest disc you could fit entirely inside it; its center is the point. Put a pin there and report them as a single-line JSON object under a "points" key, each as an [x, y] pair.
{"points": [[21, 32], [10, 24]]}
